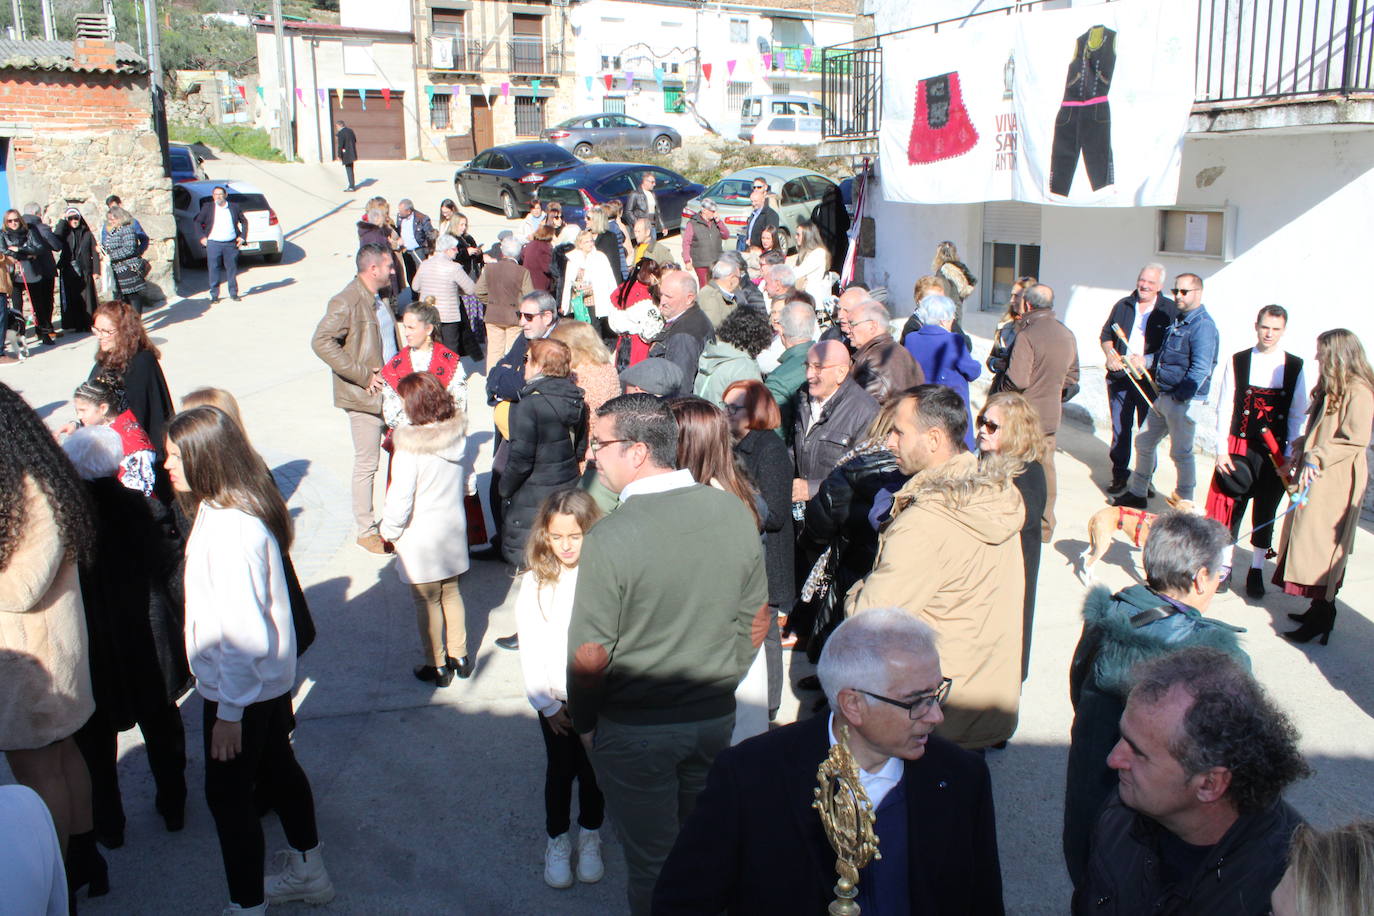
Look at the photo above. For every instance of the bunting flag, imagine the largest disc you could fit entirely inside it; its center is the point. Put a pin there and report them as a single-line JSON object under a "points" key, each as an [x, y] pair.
{"points": [[321, 97], [767, 61], [386, 95], [806, 58], [630, 79], [262, 96], [589, 85], [658, 77], [362, 97], [243, 91], [729, 68], [706, 72], [340, 94], [609, 80], [300, 95], [429, 96], [505, 90], [535, 84]]}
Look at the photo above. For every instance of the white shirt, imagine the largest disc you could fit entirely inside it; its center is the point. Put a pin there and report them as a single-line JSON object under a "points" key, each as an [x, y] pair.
{"points": [[223, 228], [650, 202], [876, 785], [542, 615], [658, 483], [240, 640], [408, 233], [817, 407], [1142, 317], [1266, 371], [386, 326]]}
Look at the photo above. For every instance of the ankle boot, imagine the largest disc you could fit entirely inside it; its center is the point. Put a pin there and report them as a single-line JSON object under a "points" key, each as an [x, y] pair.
{"points": [[1302, 618], [303, 877], [86, 866], [1319, 622]]}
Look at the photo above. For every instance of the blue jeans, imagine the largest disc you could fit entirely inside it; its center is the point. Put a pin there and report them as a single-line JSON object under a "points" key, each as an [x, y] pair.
{"points": [[223, 259], [1179, 422], [1128, 413]]}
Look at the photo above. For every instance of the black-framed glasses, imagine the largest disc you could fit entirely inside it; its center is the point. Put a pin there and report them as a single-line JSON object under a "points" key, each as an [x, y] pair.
{"points": [[734, 408], [987, 424], [598, 444], [1180, 292], [919, 706]]}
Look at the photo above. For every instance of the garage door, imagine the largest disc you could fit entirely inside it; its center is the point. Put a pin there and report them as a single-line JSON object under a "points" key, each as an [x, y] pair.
{"points": [[380, 129]]}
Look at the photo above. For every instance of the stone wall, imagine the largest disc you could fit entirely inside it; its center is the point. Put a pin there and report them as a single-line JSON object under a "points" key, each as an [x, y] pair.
{"points": [[79, 137]]}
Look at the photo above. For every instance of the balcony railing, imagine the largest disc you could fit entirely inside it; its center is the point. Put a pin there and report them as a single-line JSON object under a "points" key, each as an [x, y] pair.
{"points": [[1247, 50], [521, 55], [792, 58]]}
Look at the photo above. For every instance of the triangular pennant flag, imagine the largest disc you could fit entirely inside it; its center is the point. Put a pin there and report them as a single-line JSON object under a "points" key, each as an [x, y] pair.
{"points": [[429, 95], [243, 91], [300, 95], [589, 85], [505, 90], [767, 61], [339, 93], [610, 80], [630, 78], [386, 95], [262, 96], [658, 76], [362, 97], [730, 67], [320, 95], [706, 72], [535, 84], [806, 57]]}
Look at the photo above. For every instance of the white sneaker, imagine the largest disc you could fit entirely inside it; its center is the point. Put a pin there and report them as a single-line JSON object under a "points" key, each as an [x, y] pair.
{"points": [[302, 878], [558, 861], [589, 867], [234, 909]]}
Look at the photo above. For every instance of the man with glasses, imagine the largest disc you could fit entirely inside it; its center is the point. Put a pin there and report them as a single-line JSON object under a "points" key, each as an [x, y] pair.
{"points": [[670, 610], [950, 553], [643, 204], [1183, 375], [881, 365], [761, 217], [830, 414], [1143, 316], [935, 822], [500, 287]]}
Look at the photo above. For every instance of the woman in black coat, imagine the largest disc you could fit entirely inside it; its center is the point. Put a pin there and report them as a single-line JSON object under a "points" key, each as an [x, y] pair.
{"points": [[1008, 426], [21, 243], [78, 267], [754, 420], [548, 437], [134, 622]]}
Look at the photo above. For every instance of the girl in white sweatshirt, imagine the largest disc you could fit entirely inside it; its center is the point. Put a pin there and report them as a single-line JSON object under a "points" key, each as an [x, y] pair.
{"points": [[241, 644], [543, 609]]}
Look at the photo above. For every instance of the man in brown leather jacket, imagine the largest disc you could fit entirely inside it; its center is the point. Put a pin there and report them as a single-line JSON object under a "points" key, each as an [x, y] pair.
{"points": [[355, 339]]}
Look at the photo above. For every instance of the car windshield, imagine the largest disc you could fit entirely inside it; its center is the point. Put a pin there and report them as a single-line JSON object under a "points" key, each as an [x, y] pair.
{"points": [[551, 159], [249, 202], [731, 190]]}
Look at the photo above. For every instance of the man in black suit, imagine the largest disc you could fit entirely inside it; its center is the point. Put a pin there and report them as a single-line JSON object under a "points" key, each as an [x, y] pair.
{"points": [[642, 204], [760, 218], [347, 145], [753, 844], [223, 230]]}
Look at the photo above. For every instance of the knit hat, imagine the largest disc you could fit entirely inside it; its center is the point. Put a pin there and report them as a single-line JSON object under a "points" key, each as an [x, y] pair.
{"points": [[655, 375]]}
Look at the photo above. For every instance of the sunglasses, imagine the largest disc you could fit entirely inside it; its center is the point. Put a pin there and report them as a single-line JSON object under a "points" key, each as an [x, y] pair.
{"points": [[987, 424], [529, 316], [1180, 292]]}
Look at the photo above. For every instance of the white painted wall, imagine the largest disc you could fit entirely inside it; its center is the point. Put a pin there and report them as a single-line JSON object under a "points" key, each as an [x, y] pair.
{"points": [[375, 14]]}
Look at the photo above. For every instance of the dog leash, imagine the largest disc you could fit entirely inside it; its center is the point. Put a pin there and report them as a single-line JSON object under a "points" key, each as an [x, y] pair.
{"points": [[1296, 501]]}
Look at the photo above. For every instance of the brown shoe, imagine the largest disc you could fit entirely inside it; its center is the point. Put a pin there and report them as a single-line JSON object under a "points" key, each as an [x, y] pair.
{"points": [[372, 542]]}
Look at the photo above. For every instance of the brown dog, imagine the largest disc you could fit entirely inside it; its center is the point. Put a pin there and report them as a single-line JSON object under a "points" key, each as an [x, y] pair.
{"points": [[1105, 523]]}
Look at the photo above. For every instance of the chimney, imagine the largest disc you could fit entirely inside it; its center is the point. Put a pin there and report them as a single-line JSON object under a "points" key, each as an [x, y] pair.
{"points": [[94, 46]]}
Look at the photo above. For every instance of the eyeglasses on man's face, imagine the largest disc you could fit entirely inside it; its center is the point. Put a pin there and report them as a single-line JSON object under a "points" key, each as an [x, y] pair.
{"points": [[598, 444], [920, 705], [529, 316], [1183, 292]]}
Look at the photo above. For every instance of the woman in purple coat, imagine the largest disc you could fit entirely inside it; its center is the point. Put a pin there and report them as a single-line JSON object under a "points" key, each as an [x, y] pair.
{"points": [[942, 354]]}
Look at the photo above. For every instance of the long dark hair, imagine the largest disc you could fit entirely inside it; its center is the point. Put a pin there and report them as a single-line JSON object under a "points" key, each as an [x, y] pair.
{"points": [[28, 450], [704, 447], [647, 272], [220, 466]]}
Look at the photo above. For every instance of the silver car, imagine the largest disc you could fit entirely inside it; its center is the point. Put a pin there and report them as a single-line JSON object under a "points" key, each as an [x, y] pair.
{"points": [[795, 193], [585, 133]]}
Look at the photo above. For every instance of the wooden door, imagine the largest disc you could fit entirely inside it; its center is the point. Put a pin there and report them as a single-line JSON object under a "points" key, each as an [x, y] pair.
{"points": [[483, 130]]}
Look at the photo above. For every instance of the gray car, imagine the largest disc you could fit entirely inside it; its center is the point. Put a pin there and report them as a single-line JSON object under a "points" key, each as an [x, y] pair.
{"points": [[796, 192], [585, 133]]}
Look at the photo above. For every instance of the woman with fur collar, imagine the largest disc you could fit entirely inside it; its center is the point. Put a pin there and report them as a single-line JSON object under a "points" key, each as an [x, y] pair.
{"points": [[424, 519], [1185, 559]]}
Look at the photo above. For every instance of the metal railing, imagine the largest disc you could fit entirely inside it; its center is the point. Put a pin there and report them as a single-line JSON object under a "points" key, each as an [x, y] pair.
{"points": [[852, 93], [522, 55]]}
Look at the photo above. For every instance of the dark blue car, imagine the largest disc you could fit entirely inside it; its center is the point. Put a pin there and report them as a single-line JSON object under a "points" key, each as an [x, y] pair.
{"points": [[596, 183], [186, 164]]}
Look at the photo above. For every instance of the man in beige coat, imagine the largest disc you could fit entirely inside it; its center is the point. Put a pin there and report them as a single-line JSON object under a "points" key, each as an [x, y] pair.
{"points": [[356, 338], [951, 554]]}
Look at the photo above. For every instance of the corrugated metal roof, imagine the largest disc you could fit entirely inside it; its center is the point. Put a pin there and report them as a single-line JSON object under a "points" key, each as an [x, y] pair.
{"points": [[36, 54]]}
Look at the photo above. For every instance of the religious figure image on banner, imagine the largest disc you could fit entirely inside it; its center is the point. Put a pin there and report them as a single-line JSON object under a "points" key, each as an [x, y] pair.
{"points": [[941, 128], [1084, 124]]}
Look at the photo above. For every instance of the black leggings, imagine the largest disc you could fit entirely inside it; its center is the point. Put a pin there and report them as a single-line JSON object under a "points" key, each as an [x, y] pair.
{"points": [[164, 740], [568, 761], [266, 769]]}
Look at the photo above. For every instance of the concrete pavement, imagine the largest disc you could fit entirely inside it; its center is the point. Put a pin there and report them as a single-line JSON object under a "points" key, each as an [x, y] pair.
{"points": [[431, 801]]}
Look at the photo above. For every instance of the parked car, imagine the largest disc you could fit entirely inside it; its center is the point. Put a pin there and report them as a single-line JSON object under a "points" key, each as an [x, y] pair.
{"points": [[264, 229], [187, 164], [783, 130], [507, 176], [755, 107], [598, 182], [584, 133], [798, 191]]}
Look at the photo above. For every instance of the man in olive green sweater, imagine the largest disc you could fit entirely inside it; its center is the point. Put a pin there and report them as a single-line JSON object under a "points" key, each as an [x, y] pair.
{"points": [[671, 606]]}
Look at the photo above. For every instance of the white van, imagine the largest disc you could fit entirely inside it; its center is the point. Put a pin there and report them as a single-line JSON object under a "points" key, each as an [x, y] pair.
{"points": [[755, 107]]}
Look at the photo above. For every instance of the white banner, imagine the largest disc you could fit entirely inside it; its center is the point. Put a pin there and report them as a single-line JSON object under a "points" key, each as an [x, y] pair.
{"points": [[1078, 107]]}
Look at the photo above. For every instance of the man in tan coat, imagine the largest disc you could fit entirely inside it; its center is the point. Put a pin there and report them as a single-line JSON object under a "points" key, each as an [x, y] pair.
{"points": [[951, 554], [356, 338]]}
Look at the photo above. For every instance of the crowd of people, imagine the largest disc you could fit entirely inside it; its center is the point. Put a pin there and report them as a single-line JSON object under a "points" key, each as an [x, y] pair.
{"points": [[739, 412]]}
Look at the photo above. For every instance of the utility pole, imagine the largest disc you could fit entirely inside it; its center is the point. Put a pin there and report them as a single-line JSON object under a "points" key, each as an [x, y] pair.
{"points": [[155, 79], [46, 6], [288, 142], [18, 20]]}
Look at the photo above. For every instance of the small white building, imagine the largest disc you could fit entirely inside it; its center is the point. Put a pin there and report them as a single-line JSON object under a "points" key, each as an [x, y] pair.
{"points": [[669, 59]]}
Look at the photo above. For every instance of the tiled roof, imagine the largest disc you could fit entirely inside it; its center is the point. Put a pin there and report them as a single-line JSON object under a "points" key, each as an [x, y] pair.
{"points": [[802, 6], [36, 54]]}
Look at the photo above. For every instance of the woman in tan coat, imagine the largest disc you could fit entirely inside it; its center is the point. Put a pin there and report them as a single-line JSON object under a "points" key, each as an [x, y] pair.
{"points": [[45, 678], [1331, 460]]}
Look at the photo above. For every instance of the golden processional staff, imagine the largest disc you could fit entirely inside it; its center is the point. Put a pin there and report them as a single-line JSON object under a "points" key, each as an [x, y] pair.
{"points": [[1131, 372], [848, 818]]}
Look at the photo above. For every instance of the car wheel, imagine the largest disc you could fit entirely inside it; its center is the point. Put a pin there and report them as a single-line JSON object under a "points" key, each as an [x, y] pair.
{"points": [[461, 193], [663, 144], [273, 258], [582, 150], [508, 205]]}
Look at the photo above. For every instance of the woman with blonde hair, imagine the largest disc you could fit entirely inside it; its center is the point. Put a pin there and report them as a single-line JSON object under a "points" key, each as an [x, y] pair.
{"points": [[606, 241], [614, 210], [958, 280], [588, 281], [376, 228], [1330, 873], [592, 369], [1009, 426], [1330, 463], [812, 261]]}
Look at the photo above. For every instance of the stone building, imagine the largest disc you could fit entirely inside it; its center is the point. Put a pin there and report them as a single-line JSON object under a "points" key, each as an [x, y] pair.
{"points": [[76, 126]]}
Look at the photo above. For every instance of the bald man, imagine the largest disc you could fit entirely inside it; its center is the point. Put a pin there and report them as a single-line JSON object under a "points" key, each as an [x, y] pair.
{"points": [[831, 413], [686, 329], [844, 310]]}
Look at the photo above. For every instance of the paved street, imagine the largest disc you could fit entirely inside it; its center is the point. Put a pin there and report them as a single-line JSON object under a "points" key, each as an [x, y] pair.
{"points": [[431, 801]]}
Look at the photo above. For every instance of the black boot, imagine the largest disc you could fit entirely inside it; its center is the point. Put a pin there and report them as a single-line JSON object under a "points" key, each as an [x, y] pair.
{"points": [[1302, 618], [1319, 622], [1254, 583], [86, 866]]}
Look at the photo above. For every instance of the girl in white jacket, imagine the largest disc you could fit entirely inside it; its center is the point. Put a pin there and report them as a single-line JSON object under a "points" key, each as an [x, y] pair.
{"points": [[543, 609], [241, 644], [424, 518]]}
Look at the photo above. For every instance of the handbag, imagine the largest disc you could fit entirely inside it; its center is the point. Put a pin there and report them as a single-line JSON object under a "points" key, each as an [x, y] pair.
{"points": [[477, 522], [579, 307], [821, 596], [301, 621]]}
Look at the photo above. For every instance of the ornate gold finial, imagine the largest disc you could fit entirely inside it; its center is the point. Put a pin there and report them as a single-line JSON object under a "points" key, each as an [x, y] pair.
{"points": [[848, 818]]}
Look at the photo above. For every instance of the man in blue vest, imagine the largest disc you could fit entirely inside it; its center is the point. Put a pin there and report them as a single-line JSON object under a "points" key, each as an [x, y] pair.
{"points": [[935, 822]]}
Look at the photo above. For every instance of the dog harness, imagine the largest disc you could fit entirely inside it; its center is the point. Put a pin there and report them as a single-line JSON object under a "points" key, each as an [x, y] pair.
{"points": [[1143, 520]]}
